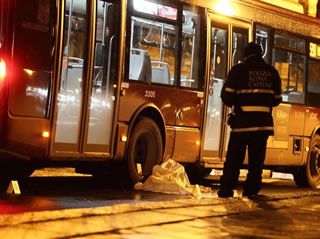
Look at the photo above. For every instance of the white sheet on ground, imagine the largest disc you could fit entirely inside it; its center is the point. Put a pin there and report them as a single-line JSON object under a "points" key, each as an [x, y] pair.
{"points": [[170, 177]]}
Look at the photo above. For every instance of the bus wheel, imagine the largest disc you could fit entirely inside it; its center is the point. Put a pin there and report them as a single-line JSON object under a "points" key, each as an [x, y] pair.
{"points": [[313, 163], [145, 149], [300, 177]]}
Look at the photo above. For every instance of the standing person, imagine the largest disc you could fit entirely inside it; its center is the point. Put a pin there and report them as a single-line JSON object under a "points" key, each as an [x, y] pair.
{"points": [[252, 89]]}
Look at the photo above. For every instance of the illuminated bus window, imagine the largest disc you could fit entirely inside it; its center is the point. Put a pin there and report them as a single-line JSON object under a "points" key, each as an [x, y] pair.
{"points": [[239, 41], [282, 40], [104, 76], [155, 9], [313, 89], [191, 31], [263, 39], [152, 51], [291, 68], [290, 61], [219, 59], [70, 97]]}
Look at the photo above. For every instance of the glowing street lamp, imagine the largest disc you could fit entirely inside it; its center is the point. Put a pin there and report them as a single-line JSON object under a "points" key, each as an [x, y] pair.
{"points": [[224, 7]]}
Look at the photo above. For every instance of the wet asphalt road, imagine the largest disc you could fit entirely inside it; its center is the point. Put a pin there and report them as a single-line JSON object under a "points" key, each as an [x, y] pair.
{"points": [[79, 207], [54, 189]]}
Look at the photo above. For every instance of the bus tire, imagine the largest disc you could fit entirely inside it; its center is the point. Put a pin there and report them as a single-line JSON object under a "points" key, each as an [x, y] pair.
{"points": [[145, 149], [300, 177], [313, 163]]}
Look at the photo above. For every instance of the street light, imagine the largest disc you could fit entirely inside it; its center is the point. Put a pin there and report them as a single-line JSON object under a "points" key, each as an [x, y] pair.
{"points": [[224, 7]]}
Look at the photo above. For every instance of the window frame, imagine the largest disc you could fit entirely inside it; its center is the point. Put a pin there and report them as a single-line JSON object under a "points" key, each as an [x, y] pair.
{"points": [[309, 58], [16, 105], [305, 72], [271, 39], [202, 47], [273, 47], [178, 24]]}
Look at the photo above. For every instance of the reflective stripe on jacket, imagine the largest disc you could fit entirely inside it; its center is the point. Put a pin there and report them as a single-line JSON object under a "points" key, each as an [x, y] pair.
{"points": [[252, 89]]}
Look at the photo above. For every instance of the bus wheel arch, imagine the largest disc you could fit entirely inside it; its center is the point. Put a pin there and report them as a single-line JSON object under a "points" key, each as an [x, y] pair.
{"points": [[146, 140]]}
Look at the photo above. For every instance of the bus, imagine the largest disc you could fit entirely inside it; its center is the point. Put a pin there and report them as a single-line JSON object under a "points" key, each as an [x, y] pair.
{"points": [[114, 87]]}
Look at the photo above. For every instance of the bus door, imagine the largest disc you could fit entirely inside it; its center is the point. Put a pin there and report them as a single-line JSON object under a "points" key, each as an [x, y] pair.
{"points": [[226, 41], [86, 95]]}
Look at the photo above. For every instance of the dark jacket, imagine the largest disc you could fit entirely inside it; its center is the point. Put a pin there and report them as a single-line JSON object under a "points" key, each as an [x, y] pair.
{"points": [[252, 89]]}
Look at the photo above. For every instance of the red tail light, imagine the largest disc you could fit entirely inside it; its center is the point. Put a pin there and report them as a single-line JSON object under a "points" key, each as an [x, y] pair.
{"points": [[3, 70]]}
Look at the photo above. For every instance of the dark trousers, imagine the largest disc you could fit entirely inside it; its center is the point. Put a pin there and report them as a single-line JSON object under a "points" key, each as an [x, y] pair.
{"points": [[256, 143]]}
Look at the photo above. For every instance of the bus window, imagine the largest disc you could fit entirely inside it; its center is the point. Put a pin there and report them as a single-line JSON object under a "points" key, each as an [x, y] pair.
{"points": [[282, 40], [239, 41], [70, 94], [291, 67], [313, 90], [219, 60], [153, 45], [190, 54], [1, 25], [218, 69], [32, 54], [148, 7], [263, 39], [104, 77]]}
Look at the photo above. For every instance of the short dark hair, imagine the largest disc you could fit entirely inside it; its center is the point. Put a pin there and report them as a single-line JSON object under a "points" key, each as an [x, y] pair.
{"points": [[252, 49]]}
